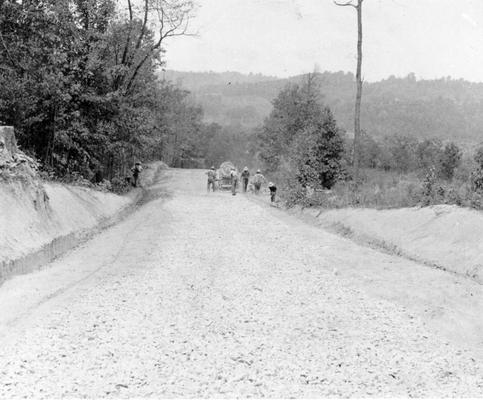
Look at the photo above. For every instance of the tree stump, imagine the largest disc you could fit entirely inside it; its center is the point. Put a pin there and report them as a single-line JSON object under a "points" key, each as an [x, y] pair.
{"points": [[7, 136], [8, 145]]}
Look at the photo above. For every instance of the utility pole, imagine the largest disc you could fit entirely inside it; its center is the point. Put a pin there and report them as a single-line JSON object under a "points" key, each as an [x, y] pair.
{"points": [[357, 4]]}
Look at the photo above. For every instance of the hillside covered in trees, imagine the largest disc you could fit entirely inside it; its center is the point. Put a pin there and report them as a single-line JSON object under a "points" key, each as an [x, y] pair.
{"points": [[443, 108]]}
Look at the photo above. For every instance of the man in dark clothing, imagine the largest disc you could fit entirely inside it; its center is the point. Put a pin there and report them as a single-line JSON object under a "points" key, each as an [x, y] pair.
{"points": [[273, 191], [136, 170], [211, 178], [245, 175]]}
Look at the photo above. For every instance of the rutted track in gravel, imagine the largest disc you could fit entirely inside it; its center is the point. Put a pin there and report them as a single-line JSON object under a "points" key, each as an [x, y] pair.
{"points": [[201, 295]]}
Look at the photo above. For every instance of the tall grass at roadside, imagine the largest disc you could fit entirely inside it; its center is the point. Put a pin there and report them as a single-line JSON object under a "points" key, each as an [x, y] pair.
{"points": [[378, 189], [382, 189]]}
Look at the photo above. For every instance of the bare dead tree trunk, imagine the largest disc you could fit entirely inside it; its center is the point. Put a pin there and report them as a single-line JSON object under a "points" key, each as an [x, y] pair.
{"points": [[357, 114], [357, 110]]}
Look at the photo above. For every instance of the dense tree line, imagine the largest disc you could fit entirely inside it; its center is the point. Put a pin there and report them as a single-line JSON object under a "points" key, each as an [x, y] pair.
{"points": [[80, 85], [404, 154]]}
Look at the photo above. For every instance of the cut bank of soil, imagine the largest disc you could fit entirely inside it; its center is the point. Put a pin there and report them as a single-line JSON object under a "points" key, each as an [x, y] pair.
{"points": [[443, 236], [41, 220]]}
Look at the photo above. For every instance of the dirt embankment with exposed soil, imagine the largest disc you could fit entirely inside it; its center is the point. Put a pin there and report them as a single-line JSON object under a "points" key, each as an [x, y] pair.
{"points": [[40, 220], [443, 236]]}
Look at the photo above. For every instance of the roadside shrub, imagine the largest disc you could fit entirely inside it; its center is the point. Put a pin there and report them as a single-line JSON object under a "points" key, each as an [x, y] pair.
{"points": [[379, 189], [429, 182], [317, 152], [433, 192], [402, 150], [475, 200], [477, 180], [479, 157], [463, 171], [428, 153], [104, 186], [47, 174], [449, 161], [120, 185], [369, 151], [296, 195]]}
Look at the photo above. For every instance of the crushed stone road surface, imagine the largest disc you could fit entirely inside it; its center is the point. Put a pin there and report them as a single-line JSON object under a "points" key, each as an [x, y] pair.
{"points": [[213, 295]]}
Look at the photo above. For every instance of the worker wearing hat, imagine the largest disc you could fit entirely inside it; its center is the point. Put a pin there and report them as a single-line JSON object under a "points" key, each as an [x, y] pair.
{"points": [[258, 179], [211, 178], [234, 181], [245, 175], [273, 191], [136, 170]]}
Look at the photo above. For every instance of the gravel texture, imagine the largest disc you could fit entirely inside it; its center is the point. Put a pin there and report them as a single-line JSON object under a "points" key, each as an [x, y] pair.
{"points": [[213, 295]]}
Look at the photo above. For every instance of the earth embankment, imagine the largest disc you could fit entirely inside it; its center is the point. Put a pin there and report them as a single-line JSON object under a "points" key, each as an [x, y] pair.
{"points": [[41, 220], [443, 236]]}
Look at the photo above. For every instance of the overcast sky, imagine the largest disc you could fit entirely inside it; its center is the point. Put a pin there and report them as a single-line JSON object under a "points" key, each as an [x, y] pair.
{"points": [[432, 38]]}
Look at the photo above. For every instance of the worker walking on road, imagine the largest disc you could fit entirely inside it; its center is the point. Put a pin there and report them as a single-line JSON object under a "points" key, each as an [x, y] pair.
{"points": [[258, 179], [234, 181], [211, 178], [136, 171], [245, 175]]}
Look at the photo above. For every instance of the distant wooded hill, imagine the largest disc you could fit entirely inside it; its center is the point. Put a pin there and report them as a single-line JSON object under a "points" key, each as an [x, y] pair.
{"points": [[443, 108]]}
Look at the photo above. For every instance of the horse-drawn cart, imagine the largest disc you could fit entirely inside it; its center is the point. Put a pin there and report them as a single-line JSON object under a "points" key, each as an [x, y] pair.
{"points": [[224, 175]]}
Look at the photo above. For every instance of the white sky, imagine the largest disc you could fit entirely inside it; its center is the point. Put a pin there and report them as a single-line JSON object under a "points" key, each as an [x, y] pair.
{"points": [[432, 38]]}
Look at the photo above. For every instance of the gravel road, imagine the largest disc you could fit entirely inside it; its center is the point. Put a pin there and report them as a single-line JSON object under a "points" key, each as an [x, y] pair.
{"points": [[213, 295]]}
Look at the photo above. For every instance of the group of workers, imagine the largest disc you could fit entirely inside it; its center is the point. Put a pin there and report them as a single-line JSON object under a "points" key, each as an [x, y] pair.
{"points": [[257, 181]]}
